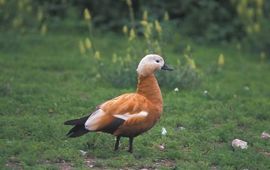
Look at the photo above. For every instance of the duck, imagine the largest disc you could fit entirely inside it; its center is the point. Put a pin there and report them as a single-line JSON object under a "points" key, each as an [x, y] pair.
{"points": [[129, 114]]}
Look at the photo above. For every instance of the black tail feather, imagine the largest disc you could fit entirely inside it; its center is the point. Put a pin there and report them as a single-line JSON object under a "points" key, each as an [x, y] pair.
{"points": [[77, 131], [79, 127], [79, 121]]}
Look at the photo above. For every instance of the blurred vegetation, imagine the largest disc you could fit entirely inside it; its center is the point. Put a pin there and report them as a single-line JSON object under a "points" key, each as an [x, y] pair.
{"points": [[148, 26], [213, 20], [204, 20]]}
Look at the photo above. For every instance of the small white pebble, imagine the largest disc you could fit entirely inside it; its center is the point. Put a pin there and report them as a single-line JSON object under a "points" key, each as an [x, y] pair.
{"points": [[265, 135], [163, 131], [161, 147], [176, 89], [237, 143]]}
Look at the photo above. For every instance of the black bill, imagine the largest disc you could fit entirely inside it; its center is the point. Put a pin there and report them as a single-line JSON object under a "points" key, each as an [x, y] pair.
{"points": [[166, 67]]}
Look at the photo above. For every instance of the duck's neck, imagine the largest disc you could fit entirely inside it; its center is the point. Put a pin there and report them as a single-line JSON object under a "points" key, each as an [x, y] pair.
{"points": [[149, 88]]}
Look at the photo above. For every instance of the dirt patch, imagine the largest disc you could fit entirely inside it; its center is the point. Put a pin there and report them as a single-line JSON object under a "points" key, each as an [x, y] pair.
{"points": [[90, 162], [214, 167], [165, 163], [161, 163], [65, 165], [264, 152], [61, 164], [14, 163]]}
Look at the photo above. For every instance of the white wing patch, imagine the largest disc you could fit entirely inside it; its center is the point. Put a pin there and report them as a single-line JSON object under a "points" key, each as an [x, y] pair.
{"points": [[93, 122], [127, 116]]}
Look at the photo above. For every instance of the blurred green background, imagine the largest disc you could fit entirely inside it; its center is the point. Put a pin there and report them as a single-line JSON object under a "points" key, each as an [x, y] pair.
{"points": [[226, 21]]}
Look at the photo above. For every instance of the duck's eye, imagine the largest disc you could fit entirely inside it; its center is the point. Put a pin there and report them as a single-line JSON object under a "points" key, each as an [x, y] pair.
{"points": [[157, 61]]}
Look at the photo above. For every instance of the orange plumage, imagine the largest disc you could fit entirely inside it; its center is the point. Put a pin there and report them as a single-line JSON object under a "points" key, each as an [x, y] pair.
{"points": [[130, 114]]}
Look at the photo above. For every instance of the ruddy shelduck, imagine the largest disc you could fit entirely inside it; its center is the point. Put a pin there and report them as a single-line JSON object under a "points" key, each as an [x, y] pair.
{"points": [[130, 114]]}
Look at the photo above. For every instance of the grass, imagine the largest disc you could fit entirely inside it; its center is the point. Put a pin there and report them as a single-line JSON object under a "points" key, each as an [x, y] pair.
{"points": [[45, 81]]}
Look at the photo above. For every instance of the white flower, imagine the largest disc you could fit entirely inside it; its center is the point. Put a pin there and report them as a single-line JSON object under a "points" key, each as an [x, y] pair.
{"points": [[246, 88], [83, 152], [176, 89], [182, 128], [237, 143], [163, 131]]}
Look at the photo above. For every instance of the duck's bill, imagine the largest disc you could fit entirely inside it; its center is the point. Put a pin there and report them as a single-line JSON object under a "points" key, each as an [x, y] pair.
{"points": [[166, 67]]}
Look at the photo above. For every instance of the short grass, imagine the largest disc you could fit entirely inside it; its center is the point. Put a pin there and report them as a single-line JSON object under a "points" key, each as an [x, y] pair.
{"points": [[45, 81]]}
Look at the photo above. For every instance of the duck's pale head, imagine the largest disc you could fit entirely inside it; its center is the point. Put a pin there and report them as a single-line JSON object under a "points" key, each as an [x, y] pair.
{"points": [[150, 64]]}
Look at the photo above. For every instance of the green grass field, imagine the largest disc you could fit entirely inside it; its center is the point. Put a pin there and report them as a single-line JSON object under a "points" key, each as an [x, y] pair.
{"points": [[44, 81]]}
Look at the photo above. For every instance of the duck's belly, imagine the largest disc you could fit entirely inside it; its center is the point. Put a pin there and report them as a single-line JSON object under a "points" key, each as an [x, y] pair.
{"points": [[133, 130]]}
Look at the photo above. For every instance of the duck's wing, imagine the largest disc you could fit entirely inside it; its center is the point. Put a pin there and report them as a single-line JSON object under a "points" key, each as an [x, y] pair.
{"points": [[128, 109]]}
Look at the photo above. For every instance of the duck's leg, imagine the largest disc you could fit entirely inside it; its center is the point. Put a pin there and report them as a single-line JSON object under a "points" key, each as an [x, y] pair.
{"points": [[116, 146], [130, 145]]}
